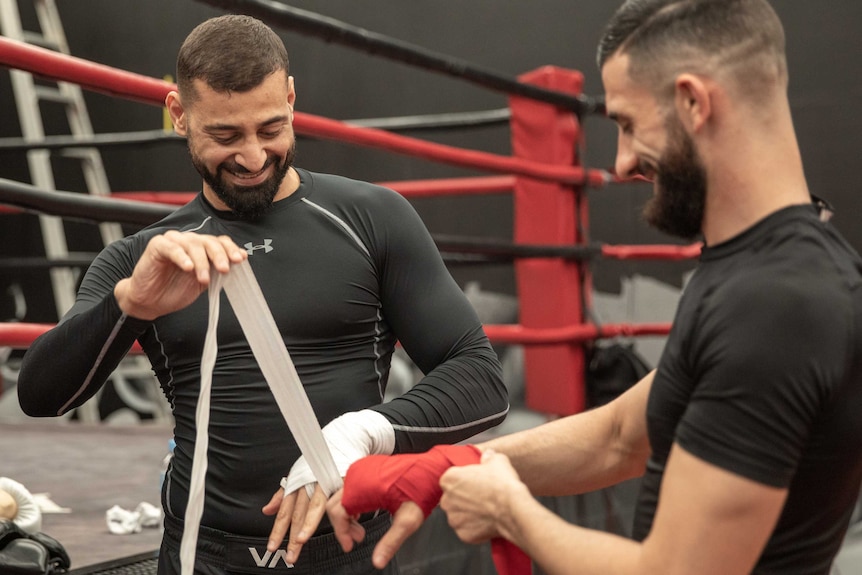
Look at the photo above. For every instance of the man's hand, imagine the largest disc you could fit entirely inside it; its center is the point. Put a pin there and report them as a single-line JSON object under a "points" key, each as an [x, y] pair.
{"points": [[406, 485], [476, 498], [351, 436], [294, 511], [405, 522], [346, 527], [173, 271]]}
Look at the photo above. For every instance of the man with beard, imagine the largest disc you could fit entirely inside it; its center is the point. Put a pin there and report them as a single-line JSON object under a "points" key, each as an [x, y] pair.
{"points": [[347, 268], [747, 436]]}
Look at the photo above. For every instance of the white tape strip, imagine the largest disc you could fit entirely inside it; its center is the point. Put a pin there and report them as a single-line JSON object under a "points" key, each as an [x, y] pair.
{"points": [[266, 343]]}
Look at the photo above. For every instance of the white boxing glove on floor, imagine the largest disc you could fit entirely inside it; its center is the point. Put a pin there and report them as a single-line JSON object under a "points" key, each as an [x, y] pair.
{"points": [[26, 514]]}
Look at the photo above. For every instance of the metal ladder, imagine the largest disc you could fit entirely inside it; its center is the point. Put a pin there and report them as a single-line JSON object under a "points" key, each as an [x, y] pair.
{"points": [[29, 96]]}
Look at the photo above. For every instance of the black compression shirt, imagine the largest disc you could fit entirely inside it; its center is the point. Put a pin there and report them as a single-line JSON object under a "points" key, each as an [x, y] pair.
{"points": [[762, 376], [347, 268]]}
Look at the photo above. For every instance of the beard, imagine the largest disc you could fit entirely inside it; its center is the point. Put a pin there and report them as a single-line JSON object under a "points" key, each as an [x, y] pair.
{"points": [[247, 202], [679, 201]]}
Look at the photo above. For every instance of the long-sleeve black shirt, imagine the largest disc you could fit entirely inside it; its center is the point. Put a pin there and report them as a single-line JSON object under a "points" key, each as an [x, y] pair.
{"points": [[347, 269]]}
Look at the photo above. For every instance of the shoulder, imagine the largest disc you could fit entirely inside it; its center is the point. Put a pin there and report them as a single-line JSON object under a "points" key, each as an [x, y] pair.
{"points": [[795, 291], [802, 261], [331, 187], [189, 217], [366, 207]]}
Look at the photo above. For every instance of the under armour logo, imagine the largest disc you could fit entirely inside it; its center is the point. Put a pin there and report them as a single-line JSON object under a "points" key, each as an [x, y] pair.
{"points": [[262, 561], [265, 246]]}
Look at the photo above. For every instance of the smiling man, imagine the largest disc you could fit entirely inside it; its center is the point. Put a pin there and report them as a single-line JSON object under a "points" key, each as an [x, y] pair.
{"points": [[747, 435], [347, 268]]}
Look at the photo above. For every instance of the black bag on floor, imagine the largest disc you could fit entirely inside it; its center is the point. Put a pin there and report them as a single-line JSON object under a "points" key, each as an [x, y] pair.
{"points": [[24, 554], [611, 370]]}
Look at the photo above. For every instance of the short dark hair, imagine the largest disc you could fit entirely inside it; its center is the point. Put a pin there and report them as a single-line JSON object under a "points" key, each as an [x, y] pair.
{"points": [[231, 53], [665, 37]]}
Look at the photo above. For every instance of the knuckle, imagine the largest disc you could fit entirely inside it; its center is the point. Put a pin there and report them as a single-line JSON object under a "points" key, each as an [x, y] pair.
{"points": [[413, 523]]}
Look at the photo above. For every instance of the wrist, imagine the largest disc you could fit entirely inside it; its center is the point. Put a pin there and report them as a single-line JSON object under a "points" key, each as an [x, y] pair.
{"points": [[361, 433], [126, 303], [380, 432], [514, 500]]}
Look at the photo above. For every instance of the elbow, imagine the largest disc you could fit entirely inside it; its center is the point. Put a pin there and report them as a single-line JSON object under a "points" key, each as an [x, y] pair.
{"points": [[33, 400], [30, 405], [497, 392], [497, 395], [31, 408]]}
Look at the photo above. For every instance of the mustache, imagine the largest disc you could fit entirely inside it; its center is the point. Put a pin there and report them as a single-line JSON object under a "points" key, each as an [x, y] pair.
{"points": [[236, 168], [648, 171]]}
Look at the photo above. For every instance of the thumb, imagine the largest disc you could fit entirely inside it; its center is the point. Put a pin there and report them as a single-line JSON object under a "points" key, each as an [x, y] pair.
{"points": [[405, 523]]}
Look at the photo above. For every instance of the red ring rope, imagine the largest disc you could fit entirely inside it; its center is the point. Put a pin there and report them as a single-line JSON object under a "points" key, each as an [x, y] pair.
{"points": [[119, 83], [21, 335], [547, 198]]}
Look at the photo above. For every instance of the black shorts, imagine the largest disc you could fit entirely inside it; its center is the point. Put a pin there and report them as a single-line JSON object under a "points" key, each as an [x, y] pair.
{"points": [[221, 553]]}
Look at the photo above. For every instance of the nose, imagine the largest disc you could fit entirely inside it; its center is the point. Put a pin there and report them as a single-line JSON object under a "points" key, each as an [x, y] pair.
{"points": [[252, 155], [626, 164]]}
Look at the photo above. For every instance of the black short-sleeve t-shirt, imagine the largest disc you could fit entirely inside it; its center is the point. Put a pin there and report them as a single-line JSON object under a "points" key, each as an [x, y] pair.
{"points": [[762, 376]]}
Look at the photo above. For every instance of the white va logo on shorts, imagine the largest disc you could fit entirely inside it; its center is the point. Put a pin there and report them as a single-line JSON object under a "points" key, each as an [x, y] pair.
{"points": [[265, 246], [262, 561]]}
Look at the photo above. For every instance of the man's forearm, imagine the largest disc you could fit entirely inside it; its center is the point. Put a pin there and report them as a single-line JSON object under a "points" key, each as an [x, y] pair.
{"points": [[561, 548], [582, 452], [456, 400], [67, 365], [563, 457]]}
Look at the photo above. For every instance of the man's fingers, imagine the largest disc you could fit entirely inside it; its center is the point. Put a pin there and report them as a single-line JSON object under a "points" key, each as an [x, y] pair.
{"points": [[297, 519], [197, 252], [166, 248], [282, 522], [405, 523], [234, 253], [346, 529], [221, 251], [274, 504], [203, 254], [313, 515]]}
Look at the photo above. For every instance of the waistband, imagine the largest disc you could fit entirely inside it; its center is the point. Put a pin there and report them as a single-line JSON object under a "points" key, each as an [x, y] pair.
{"points": [[242, 554]]}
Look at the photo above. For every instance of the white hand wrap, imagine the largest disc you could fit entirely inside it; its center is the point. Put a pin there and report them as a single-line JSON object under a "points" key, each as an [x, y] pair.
{"points": [[350, 437], [29, 516]]}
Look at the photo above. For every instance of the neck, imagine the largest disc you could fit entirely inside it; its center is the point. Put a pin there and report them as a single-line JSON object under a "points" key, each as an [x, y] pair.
{"points": [[289, 184], [755, 169]]}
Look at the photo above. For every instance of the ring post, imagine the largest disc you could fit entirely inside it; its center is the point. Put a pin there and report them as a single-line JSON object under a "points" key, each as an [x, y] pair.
{"points": [[550, 291]]}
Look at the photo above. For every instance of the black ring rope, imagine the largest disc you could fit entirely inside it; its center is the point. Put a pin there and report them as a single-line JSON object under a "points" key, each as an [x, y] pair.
{"points": [[148, 137], [37, 263], [437, 121], [332, 30], [98, 209], [81, 206], [95, 141], [472, 260], [499, 249]]}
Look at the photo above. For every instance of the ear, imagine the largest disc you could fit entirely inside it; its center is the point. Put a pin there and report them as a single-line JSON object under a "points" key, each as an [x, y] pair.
{"points": [[291, 92], [693, 101], [177, 113]]}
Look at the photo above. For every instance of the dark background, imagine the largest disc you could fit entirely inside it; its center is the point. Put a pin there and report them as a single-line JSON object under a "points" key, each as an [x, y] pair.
{"points": [[506, 36]]}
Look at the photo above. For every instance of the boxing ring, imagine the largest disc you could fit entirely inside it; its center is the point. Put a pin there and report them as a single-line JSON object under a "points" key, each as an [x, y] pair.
{"points": [[550, 244], [551, 250]]}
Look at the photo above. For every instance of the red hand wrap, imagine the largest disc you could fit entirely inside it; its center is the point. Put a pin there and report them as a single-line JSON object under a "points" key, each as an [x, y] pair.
{"points": [[387, 481]]}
